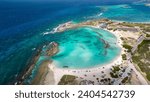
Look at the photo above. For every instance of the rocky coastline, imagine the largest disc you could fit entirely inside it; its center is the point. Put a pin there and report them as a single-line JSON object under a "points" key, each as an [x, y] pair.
{"points": [[29, 68], [52, 49]]}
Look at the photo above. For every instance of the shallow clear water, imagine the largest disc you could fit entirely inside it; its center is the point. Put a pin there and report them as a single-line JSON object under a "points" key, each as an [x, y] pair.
{"points": [[23, 24], [129, 13], [85, 48]]}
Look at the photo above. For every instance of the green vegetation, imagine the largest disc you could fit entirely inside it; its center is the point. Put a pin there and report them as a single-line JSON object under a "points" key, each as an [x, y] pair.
{"points": [[147, 35], [128, 47], [146, 29], [124, 57], [67, 80], [114, 29], [148, 75], [116, 69], [114, 73], [110, 28], [121, 38], [128, 24], [125, 80], [134, 24], [142, 57]]}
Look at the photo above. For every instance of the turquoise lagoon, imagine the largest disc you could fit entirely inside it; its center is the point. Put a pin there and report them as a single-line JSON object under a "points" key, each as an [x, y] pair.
{"points": [[85, 48], [23, 25], [80, 48]]}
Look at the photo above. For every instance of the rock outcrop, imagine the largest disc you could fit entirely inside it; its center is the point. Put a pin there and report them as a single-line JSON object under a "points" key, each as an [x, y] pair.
{"points": [[52, 49]]}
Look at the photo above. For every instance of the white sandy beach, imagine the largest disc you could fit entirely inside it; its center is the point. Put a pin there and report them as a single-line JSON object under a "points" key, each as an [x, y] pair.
{"points": [[88, 73], [102, 70]]}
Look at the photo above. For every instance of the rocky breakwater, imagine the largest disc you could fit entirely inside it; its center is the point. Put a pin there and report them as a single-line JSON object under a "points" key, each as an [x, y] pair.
{"points": [[45, 74], [63, 27], [52, 49], [28, 69]]}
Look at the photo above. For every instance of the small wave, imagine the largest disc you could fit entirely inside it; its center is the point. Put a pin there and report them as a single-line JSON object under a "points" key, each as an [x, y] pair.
{"points": [[95, 16], [48, 32], [45, 33], [54, 30], [33, 49], [44, 46], [100, 14]]}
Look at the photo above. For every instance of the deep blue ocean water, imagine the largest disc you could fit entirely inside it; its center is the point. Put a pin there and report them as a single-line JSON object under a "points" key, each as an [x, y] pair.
{"points": [[22, 25]]}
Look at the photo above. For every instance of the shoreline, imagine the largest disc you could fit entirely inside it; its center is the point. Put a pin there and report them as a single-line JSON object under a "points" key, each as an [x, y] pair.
{"points": [[122, 36], [119, 43], [60, 72]]}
